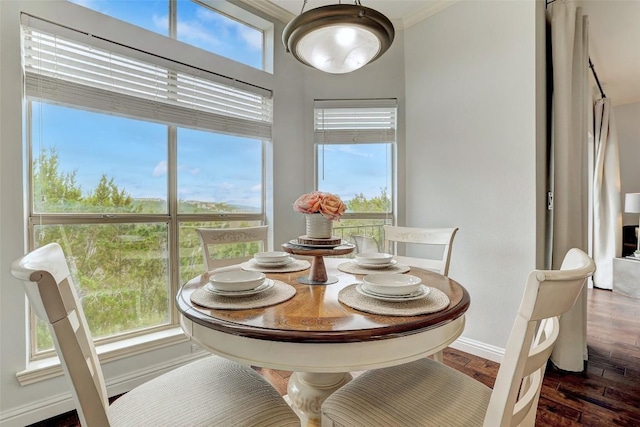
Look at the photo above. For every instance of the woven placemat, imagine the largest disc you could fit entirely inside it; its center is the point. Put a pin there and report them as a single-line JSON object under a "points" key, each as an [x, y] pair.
{"points": [[280, 292], [354, 268], [297, 265], [435, 300]]}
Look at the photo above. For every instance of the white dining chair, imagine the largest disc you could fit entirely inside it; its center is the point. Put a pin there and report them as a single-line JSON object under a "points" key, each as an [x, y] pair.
{"points": [[439, 239], [429, 393], [439, 243], [228, 236], [211, 391]]}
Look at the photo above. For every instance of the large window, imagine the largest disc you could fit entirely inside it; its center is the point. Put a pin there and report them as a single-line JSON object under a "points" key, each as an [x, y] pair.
{"points": [[355, 158], [214, 26], [127, 158]]}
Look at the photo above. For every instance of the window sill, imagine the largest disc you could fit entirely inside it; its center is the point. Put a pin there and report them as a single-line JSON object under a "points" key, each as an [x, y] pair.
{"points": [[41, 370]]}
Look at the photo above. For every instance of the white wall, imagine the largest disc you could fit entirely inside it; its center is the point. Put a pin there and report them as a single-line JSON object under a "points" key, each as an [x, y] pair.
{"points": [[627, 119], [471, 150]]}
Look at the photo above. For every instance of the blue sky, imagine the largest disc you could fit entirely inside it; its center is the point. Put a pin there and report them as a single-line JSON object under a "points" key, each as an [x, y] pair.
{"points": [[211, 167], [196, 25]]}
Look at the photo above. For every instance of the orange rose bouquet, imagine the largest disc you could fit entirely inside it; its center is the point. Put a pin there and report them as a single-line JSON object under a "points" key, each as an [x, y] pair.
{"points": [[327, 204]]}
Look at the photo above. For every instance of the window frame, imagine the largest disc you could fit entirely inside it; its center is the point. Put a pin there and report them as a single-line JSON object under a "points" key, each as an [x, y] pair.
{"points": [[172, 218], [387, 217], [226, 9], [245, 17]]}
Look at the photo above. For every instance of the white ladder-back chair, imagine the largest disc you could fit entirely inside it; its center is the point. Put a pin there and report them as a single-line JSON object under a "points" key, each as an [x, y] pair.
{"points": [[441, 237], [226, 236], [211, 391], [428, 393]]}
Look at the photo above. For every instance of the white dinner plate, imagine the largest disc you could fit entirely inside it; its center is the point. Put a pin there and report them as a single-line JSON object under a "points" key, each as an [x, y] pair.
{"points": [[375, 266], [422, 292], [268, 284], [305, 245], [273, 264]]}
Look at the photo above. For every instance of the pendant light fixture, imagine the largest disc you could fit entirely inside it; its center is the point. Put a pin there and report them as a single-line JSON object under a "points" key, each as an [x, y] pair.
{"points": [[338, 38]]}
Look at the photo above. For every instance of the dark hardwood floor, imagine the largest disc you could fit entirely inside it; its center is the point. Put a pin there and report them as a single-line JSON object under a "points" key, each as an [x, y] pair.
{"points": [[606, 394]]}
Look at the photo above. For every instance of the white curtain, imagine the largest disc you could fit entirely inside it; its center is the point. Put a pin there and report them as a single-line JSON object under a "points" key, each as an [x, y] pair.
{"points": [[607, 215], [569, 166]]}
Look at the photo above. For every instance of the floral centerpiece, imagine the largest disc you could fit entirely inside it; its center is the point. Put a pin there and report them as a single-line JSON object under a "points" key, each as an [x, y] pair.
{"points": [[320, 209], [328, 205]]}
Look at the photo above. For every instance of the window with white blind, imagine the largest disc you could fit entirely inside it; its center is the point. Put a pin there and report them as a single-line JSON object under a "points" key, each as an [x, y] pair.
{"points": [[129, 153], [355, 144]]}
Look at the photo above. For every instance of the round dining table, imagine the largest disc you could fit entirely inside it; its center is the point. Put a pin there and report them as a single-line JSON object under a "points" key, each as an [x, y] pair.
{"points": [[317, 337]]}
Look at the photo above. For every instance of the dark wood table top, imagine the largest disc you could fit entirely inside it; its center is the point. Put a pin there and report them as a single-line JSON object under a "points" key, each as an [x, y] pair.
{"points": [[314, 314]]}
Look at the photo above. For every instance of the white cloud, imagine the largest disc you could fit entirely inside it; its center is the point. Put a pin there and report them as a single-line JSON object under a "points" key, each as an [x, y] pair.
{"points": [[256, 188], [225, 186], [160, 22], [194, 31], [252, 37], [349, 149], [187, 169], [160, 169], [207, 15]]}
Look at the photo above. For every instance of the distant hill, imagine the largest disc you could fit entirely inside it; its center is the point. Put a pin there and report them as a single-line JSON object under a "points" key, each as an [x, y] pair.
{"points": [[191, 206]]}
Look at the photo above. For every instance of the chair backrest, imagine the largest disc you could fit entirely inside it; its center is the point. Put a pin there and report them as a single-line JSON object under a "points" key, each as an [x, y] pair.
{"points": [[230, 236], [365, 244], [547, 295], [50, 289], [441, 237]]}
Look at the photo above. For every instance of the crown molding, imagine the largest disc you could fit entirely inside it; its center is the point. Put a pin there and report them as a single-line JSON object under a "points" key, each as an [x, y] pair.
{"points": [[270, 9], [430, 9], [283, 15]]}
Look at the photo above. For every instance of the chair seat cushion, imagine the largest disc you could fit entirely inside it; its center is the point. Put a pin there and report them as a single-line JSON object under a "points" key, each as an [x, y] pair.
{"points": [[420, 393], [208, 392]]}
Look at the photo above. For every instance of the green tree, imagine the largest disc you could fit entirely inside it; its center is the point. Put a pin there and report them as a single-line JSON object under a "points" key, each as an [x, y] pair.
{"points": [[107, 194], [367, 227], [380, 203], [119, 270], [54, 191]]}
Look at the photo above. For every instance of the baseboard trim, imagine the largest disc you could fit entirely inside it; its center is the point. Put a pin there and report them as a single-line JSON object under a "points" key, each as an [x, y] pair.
{"points": [[480, 349], [37, 411]]}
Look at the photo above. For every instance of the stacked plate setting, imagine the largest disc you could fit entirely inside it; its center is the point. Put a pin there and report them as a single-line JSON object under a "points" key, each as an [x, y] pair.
{"points": [[272, 259], [392, 287], [238, 283], [331, 243], [376, 260]]}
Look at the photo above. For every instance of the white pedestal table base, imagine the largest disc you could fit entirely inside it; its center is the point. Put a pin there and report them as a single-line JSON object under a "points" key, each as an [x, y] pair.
{"points": [[307, 390]]}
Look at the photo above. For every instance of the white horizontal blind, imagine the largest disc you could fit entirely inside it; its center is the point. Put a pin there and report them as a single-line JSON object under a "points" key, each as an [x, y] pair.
{"points": [[348, 122], [69, 72]]}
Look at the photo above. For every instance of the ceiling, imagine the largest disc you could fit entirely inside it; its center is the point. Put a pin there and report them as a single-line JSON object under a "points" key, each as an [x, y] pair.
{"points": [[614, 34], [614, 47]]}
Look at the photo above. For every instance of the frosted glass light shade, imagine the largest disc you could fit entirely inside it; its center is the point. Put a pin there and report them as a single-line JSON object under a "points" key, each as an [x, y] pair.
{"points": [[338, 48], [338, 38]]}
